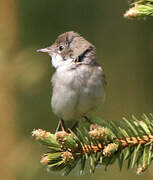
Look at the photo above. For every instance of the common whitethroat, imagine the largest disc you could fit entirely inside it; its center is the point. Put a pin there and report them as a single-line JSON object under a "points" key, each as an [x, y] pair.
{"points": [[78, 82]]}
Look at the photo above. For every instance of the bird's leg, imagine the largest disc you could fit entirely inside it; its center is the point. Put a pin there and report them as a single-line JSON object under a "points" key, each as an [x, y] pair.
{"points": [[88, 120], [58, 126], [61, 125], [92, 125]]}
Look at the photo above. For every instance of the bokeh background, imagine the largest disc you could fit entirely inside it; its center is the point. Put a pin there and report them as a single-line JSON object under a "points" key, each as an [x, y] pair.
{"points": [[124, 49]]}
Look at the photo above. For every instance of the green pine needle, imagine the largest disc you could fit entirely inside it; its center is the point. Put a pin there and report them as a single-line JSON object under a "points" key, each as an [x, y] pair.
{"points": [[128, 140]]}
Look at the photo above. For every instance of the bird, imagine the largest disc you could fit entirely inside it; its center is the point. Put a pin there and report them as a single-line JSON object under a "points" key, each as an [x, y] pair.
{"points": [[79, 83]]}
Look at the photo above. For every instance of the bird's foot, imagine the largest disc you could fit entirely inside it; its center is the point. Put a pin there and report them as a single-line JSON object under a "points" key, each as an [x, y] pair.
{"points": [[92, 125]]}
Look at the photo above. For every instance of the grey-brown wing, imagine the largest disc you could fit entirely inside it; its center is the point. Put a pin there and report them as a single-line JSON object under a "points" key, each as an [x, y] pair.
{"points": [[101, 75]]}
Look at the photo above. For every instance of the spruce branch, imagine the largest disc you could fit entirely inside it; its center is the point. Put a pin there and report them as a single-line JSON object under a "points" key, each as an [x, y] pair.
{"points": [[129, 140], [140, 8]]}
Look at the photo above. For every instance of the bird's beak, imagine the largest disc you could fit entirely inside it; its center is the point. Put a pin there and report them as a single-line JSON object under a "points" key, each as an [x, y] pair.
{"points": [[44, 50]]}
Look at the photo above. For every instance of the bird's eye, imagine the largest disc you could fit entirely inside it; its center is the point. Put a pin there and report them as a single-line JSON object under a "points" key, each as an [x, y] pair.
{"points": [[61, 48]]}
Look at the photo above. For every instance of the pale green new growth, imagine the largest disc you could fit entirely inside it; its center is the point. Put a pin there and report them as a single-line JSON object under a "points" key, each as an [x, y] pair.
{"points": [[140, 8], [128, 140]]}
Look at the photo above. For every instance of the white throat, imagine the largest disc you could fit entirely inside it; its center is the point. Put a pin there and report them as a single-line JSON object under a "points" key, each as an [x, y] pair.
{"points": [[57, 60]]}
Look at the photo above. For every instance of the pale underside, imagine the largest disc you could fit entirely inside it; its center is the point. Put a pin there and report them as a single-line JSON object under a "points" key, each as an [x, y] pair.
{"points": [[78, 89]]}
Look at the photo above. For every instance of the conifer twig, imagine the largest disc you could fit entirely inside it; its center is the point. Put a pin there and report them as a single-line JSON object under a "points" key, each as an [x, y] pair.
{"points": [[130, 140], [140, 8]]}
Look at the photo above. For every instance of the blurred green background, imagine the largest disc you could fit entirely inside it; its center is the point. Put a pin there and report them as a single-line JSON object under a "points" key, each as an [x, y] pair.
{"points": [[124, 49]]}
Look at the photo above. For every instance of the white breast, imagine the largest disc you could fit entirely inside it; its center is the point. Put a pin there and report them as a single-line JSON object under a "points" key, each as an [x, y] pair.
{"points": [[76, 92]]}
